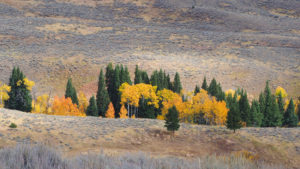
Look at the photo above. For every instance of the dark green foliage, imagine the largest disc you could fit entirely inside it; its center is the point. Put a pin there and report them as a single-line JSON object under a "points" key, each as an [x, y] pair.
{"points": [[262, 103], [256, 115], [92, 108], [233, 118], [244, 108], [172, 119], [177, 84], [204, 84], [213, 88], [298, 110], [71, 92], [290, 119], [127, 76], [109, 77], [140, 76], [272, 115], [13, 125], [146, 110], [280, 104], [161, 80], [197, 90], [116, 97], [102, 96], [19, 96]]}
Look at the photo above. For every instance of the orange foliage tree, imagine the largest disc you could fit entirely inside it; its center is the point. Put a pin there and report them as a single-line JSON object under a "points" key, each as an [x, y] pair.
{"points": [[64, 106], [123, 113], [110, 113]]}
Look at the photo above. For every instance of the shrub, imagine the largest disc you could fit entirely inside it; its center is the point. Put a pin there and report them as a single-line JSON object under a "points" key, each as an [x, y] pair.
{"points": [[13, 125]]}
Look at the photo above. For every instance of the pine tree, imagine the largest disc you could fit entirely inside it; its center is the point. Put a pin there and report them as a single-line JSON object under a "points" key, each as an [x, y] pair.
{"points": [[213, 88], [146, 110], [109, 77], [92, 108], [220, 94], [19, 95], [280, 103], [262, 103], [177, 84], [298, 109], [102, 96], [233, 118], [116, 97], [137, 75], [172, 120], [204, 84], [256, 115], [71, 92], [244, 108], [127, 76], [197, 90], [290, 119], [154, 79]]}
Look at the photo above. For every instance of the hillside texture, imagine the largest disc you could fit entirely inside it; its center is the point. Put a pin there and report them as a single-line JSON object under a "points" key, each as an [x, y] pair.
{"points": [[242, 43], [82, 135]]}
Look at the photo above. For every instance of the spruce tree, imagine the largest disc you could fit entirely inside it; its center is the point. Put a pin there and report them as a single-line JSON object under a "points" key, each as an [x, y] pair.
{"points": [[146, 110], [145, 78], [280, 104], [298, 110], [290, 119], [116, 97], [102, 96], [177, 84], [256, 115], [127, 76], [233, 118], [92, 108], [19, 96], [137, 75], [213, 88], [244, 108], [172, 119], [71, 92], [197, 90], [204, 84], [154, 79], [109, 75]]}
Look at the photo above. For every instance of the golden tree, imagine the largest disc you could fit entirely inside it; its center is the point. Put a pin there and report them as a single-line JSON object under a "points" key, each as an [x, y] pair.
{"points": [[110, 113], [40, 105], [123, 113], [64, 106], [83, 102], [4, 89], [281, 90]]}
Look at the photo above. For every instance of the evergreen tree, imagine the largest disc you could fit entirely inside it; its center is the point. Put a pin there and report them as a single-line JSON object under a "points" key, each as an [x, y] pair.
{"points": [[197, 90], [177, 84], [220, 94], [92, 108], [298, 110], [154, 79], [71, 92], [172, 119], [19, 96], [102, 96], [262, 103], [146, 110], [233, 118], [145, 78], [244, 108], [255, 114], [137, 75], [290, 119], [213, 88], [109, 77], [127, 76], [116, 97], [280, 104], [204, 84]]}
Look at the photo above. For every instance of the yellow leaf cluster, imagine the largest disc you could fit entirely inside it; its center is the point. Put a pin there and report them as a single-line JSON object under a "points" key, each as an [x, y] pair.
{"points": [[110, 113], [83, 102], [29, 84], [4, 89], [64, 106], [123, 113], [281, 90], [41, 105]]}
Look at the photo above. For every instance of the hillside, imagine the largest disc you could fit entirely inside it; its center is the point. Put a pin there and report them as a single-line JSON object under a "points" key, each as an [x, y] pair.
{"points": [[80, 135], [240, 42]]}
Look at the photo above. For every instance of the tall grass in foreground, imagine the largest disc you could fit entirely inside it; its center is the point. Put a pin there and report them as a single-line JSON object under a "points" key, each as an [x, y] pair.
{"points": [[42, 157]]}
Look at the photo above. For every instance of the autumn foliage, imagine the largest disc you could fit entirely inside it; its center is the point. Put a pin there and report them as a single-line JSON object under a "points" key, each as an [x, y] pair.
{"points": [[64, 106], [110, 113], [123, 113]]}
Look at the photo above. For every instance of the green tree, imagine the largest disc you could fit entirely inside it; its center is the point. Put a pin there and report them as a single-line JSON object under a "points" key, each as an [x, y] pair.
{"points": [[213, 88], [290, 119], [116, 97], [19, 96], [71, 92], [102, 96], [177, 84], [146, 110], [197, 90], [204, 84], [172, 120], [255, 114], [92, 108], [244, 108], [109, 77], [137, 75], [127, 76], [233, 118], [280, 103]]}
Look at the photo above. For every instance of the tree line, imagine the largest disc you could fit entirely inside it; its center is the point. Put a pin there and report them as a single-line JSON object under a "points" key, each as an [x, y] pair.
{"points": [[153, 96]]}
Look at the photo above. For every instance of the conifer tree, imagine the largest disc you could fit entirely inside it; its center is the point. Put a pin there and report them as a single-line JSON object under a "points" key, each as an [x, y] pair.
{"points": [[213, 88], [172, 120], [116, 97], [204, 84], [127, 76], [244, 108], [197, 90], [19, 95], [102, 96], [280, 103], [290, 119], [146, 110], [137, 75], [71, 92], [92, 108], [109, 77], [233, 118], [256, 115], [177, 84]]}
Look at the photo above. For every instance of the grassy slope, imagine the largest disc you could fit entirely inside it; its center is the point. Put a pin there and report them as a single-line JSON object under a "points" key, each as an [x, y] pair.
{"points": [[240, 42], [81, 135]]}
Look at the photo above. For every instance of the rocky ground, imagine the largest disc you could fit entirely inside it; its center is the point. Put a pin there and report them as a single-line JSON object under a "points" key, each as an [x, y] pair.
{"points": [[80, 135], [242, 43]]}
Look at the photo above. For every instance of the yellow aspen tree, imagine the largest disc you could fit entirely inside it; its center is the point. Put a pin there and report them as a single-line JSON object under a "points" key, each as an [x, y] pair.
{"points": [[4, 89], [281, 90], [65, 107], [83, 102], [123, 113], [110, 113], [40, 105]]}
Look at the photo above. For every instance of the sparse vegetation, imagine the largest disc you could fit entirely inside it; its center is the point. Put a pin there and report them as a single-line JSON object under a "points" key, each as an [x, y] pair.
{"points": [[13, 125]]}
